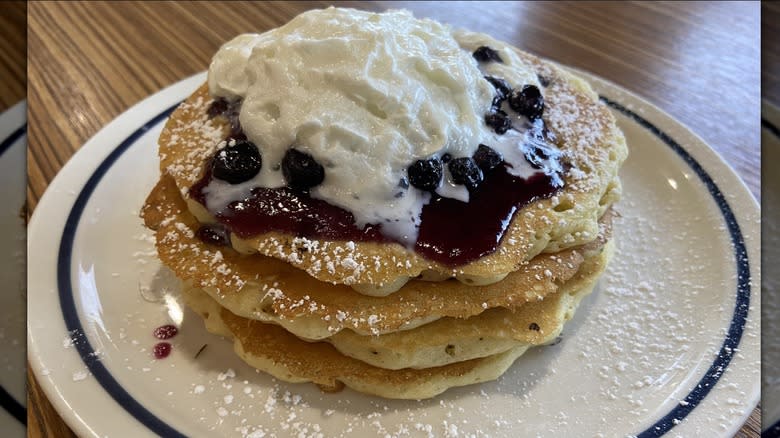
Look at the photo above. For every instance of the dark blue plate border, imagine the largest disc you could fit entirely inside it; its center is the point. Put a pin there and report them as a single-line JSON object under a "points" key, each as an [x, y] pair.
{"points": [[11, 139], [67, 298], [659, 428], [7, 401], [738, 319]]}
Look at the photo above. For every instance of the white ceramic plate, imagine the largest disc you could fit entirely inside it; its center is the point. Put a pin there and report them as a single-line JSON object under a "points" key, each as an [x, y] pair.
{"points": [[770, 287], [13, 142], [668, 344]]}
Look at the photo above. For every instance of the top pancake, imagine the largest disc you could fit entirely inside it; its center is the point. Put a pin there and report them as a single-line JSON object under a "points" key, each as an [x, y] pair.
{"points": [[586, 132]]}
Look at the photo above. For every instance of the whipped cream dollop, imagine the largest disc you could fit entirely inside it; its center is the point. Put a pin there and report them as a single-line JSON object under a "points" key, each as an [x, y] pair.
{"points": [[366, 95]]}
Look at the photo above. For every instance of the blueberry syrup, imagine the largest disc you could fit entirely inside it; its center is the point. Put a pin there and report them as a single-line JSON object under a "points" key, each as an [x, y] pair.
{"points": [[289, 211], [161, 350], [165, 332], [490, 209], [451, 242]]}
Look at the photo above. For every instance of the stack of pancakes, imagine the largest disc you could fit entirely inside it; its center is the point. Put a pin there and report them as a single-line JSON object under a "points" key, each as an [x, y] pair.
{"points": [[376, 316]]}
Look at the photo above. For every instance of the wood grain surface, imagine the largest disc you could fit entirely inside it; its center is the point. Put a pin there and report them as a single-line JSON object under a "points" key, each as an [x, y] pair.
{"points": [[88, 62], [13, 53]]}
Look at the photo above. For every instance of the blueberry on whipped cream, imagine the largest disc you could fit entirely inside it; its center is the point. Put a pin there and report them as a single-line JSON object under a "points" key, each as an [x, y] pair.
{"points": [[237, 162], [465, 171], [527, 101], [487, 54], [301, 170], [498, 120], [503, 89], [426, 174], [486, 158]]}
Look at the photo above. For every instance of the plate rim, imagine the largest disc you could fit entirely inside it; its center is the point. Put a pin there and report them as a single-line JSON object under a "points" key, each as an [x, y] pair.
{"points": [[653, 430]]}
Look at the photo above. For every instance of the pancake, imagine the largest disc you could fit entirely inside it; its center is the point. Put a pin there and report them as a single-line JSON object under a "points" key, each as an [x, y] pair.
{"points": [[270, 348], [593, 146], [267, 289], [507, 336], [449, 340]]}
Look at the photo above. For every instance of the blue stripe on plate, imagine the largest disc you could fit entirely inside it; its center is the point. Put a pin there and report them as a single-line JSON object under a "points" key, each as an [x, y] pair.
{"points": [[69, 313], [12, 406], [158, 426], [741, 306], [7, 401], [11, 139]]}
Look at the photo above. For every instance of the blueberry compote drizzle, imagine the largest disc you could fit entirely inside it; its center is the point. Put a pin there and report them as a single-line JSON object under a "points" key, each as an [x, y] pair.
{"points": [[452, 232]]}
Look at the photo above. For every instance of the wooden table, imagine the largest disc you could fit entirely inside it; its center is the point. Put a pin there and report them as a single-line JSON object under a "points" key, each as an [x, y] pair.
{"points": [[90, 61], [13, 54]]}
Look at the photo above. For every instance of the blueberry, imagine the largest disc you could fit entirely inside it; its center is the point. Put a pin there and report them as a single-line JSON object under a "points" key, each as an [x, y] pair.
{"points": [[213, 235], [486, 54], [237, 163], [301, 171], [499, 121], [218, 107], [486, 158], [465, 171], [502, 87], [446, 158], [425, 174], [528, 102], [495, 105]]}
